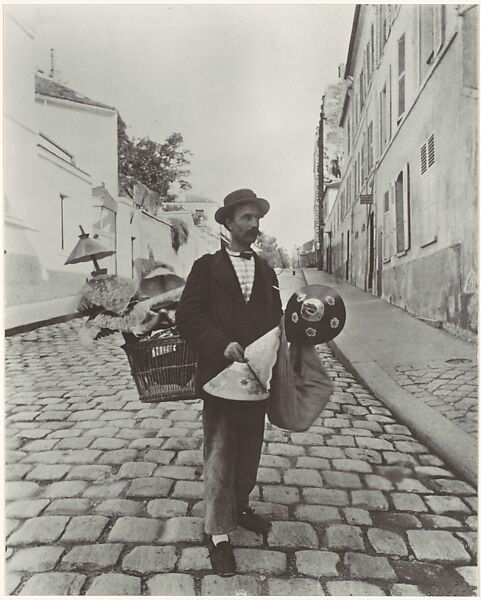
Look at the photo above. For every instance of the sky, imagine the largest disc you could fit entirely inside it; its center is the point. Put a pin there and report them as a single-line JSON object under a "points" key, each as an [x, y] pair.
{"points": [[242, 83]]}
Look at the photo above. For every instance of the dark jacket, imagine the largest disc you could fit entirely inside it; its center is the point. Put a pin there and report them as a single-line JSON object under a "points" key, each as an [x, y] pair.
{"points": [[212, 311]]}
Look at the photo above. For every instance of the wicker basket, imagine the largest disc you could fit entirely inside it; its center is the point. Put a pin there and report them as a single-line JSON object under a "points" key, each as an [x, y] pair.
{"points": [[164, 369]]}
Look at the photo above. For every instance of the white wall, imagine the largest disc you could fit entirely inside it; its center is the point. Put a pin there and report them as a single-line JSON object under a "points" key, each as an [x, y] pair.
{"points": [[20, 128], [153, 237], [89, 133]]}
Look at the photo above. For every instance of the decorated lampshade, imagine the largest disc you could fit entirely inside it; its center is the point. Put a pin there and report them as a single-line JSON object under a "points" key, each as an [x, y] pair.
{"points": [[314, 314], [248, 381], [159, 281], [87, 250]]}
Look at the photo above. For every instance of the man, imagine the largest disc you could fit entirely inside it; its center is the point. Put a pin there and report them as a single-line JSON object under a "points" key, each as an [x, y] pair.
{"points": [[231, 298]]}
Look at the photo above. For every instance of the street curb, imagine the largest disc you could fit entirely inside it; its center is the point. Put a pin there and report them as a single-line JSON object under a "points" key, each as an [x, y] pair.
{"points": [[38, 324], [453, 444]]}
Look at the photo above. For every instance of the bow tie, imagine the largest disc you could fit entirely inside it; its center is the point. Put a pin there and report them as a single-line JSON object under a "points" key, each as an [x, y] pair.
{"points": [[247, 254]]}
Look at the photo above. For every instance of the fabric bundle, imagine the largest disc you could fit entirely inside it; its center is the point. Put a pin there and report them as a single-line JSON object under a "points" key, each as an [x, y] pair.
{"points": [[115, 303], [300, 386]]}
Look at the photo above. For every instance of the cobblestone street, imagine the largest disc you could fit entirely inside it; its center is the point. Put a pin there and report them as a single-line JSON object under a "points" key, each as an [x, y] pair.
{"points": [[104, 492]]}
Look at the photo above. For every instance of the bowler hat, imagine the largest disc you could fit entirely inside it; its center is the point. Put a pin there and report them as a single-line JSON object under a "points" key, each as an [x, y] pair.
{"points": [[314, 314], [240, 197]]}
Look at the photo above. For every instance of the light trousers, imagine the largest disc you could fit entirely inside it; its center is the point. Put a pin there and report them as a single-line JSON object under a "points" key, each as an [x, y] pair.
{"points": [[233, 436]]}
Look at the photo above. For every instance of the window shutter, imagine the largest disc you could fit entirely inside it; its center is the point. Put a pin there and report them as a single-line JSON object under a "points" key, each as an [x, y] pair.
{"points": [[401, 95], [430, 145], [406, 208], [428, 201], [399, 198], [424, 162], [389, 108], [401, 54], [373, 48], [401, 72], [387, 227], [439, 26]]}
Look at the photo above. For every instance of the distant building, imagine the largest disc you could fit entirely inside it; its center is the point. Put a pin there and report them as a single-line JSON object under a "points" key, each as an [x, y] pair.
{"points": [[329, 146], [202, 210], [404, 223]]}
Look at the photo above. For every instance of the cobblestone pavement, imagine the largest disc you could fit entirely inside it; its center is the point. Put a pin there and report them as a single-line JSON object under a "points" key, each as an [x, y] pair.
{"points": [[104, 492], [451, 388]]}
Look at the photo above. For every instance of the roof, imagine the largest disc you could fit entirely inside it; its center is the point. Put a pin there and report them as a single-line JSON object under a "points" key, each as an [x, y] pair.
{"points": [[349, 61], [355, 23], [190, 198], [48, 87]]}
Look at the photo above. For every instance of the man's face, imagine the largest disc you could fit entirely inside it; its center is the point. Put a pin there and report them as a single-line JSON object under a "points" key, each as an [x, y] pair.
{"points": [[243, 224]]}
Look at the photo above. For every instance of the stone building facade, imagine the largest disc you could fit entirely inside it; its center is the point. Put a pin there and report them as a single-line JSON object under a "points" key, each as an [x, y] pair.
{"points": [[404, 223]]}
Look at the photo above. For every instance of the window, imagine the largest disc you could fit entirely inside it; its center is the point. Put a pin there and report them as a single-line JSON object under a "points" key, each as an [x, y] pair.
{"points": [[199, 216], [385, 113], [402, 211], [370, 150], [132, 254], [401, 75], [359, 172], [368, 64], [69, 222], [427, 161], [470, 48], [372, 48], [363, 160], [387, 228], [361, 89], [439, 26], [426, 42], [62, 220], [355, 180]]}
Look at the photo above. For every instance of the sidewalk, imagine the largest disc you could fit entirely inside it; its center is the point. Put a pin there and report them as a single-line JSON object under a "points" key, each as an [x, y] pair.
{"points": [[427, 377]]}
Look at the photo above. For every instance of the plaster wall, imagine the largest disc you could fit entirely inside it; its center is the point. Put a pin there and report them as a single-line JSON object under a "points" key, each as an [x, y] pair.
{"points": [[438, 280], [34, 259], [88, 132], [20, 128]]}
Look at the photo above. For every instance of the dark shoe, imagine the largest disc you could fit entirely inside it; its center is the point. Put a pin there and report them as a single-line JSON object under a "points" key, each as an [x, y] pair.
{"points": [[221, 557], [249, 520]]}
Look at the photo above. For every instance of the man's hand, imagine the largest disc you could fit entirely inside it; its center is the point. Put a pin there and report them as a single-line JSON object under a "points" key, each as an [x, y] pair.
{"points": [[235, 352]]}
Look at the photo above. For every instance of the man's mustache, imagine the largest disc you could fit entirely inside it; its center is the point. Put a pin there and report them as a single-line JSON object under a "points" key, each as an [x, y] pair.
{"points": [[254, 231]]}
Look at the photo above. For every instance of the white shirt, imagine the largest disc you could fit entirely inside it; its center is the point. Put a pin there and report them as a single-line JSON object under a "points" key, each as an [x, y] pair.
{"points": [[245, 270]]}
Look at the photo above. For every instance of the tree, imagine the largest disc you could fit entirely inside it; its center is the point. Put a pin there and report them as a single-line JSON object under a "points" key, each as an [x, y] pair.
{"points": [[152, 164], [268, 247]]}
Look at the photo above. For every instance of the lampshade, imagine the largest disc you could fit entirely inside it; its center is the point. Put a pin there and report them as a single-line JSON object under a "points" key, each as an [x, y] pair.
{"points": [[87, 249], [159, 281]]}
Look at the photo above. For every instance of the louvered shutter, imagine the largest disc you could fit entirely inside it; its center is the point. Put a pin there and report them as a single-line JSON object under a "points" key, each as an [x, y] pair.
{"points": [[387, 227], [429, 217]]}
